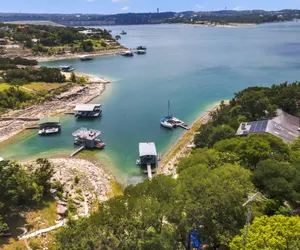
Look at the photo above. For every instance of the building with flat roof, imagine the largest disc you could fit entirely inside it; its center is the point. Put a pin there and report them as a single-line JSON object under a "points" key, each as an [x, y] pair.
{"points": [[88, 110], [284, 126], [147, 153]]}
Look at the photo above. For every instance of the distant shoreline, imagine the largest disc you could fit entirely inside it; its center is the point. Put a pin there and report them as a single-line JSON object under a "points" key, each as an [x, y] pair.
{"points": [[41, 58], [229, 25]]}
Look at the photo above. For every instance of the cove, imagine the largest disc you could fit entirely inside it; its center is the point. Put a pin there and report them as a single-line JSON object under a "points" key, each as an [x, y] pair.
{"points": [[193, 67]]}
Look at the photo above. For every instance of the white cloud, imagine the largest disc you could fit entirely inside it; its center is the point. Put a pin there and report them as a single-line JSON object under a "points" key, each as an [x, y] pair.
{"points": [[125, 8], [119, 1], [199, 7], [237, 8], [90, 1]]}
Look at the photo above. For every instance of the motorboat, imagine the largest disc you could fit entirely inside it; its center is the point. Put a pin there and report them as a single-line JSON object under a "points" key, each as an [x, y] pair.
{"points": [[140, 52], [127, 53], [48, 131]]}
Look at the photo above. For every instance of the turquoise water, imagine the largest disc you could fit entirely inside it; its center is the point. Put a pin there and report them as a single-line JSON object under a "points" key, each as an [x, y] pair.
{"points": [[191, 66]]}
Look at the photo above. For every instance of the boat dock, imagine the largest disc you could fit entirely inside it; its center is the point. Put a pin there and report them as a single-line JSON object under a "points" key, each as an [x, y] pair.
{"points": [[149, 170], [183, 126], [148, 158], [88, 138], [77, 150], [87, 110]]}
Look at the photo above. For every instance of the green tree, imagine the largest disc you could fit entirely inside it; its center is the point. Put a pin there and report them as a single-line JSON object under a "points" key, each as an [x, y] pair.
{"points": [[87, 46], [73, 77], [255, 148], [277, 180], [18, 82], [275, 232], [211, 201]]}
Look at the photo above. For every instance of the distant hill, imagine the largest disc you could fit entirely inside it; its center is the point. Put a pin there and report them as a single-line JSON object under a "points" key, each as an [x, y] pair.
{"points": [[77, 19]]}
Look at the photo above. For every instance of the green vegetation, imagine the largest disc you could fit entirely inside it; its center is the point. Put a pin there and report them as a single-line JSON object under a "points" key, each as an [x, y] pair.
{"points": [[22, 186], [51, 40], [212, 185], [11, 63], [27, 75], [22, 84], [276, 232]]}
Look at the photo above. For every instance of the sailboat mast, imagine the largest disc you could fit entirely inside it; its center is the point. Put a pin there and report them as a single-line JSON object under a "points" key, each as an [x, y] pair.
{"points": [[169, 108]]}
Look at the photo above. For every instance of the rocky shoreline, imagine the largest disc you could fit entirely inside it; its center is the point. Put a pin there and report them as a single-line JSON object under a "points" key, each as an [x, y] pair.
{"points": [[57, 105], [76, 55]]}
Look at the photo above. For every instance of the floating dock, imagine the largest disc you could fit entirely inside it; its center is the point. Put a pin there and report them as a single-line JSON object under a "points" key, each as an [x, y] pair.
{"points": [[89, 138], [148, 158], [183, 126], [87, 110]]}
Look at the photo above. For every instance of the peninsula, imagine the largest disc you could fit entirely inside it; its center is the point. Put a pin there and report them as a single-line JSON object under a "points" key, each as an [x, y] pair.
{"points": [[46, 42]]}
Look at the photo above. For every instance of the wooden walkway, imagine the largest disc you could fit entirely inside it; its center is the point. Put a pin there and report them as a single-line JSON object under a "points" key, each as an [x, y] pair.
{"points": [[183, 126], [149, 170], [77, 150]]}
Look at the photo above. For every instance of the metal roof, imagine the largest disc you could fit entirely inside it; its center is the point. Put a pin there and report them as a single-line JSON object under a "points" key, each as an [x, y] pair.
{"points": [[46, 120], [86, 107], [86, 133], [147, 148], [284, 126]]}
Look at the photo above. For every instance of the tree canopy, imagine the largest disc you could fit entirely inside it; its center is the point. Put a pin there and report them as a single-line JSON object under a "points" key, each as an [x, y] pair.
{"points": [[275, 232]]}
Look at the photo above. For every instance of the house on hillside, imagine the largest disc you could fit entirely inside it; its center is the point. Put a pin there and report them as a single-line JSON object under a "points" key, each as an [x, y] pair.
{"points": [[284, 126]]}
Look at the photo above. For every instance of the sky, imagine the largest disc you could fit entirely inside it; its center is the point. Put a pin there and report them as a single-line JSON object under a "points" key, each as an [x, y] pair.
{"points": [[121, 6]]}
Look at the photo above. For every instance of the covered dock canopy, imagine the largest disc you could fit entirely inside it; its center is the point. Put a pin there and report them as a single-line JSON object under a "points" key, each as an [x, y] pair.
{"points": [[87, 107], [147, 148], [49, 120], [87, 134]]}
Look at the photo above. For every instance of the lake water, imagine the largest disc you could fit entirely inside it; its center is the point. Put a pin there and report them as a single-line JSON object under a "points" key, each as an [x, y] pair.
{"points": [[191, 66]]}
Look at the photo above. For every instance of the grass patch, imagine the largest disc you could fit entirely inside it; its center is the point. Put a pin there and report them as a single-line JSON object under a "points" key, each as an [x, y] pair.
{"points": [[44, 215], [4, 86], [36, 217], [41, 86]]}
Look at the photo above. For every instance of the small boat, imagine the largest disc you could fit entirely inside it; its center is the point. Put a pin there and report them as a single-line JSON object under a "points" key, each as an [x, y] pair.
{"points": [[66, 68], [170, 121], [140, 52], [48, 131], [141, 48], [123, 32], [86, 58], [127, 53]]}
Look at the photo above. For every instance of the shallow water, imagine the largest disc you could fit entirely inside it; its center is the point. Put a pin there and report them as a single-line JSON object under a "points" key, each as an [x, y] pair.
{"points": [[191, 66]]}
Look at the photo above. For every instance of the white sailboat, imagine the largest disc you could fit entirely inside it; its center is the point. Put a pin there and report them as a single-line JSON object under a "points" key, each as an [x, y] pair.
{"points": [[170, 121]]}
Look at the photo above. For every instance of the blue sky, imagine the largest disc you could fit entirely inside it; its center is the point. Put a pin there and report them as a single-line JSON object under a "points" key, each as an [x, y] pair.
{"points": [[119, 6]]}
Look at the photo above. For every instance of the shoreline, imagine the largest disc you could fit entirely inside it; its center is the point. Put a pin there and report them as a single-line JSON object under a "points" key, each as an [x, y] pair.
{"points": [[229, 25], [59, 104], [184, 143], [69, 56]]}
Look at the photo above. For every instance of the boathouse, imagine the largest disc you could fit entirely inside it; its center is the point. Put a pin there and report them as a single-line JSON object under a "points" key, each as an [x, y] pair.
{"points": [[88, 138], [49, 125], [284, 126], [49, 122], [148, 154], [88, 110]]}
